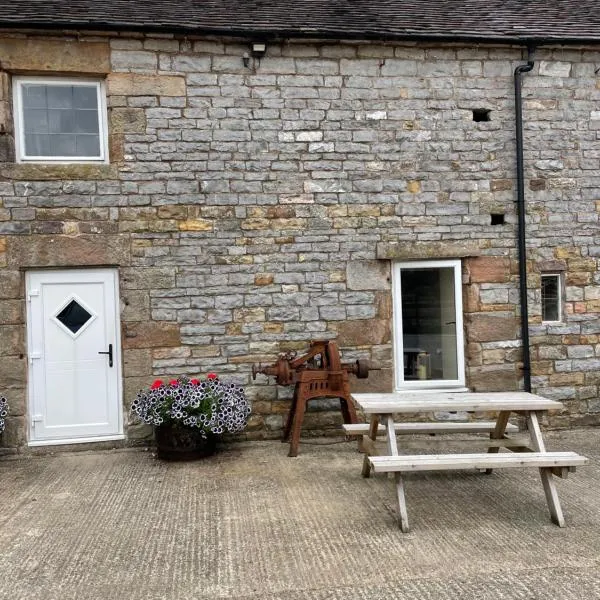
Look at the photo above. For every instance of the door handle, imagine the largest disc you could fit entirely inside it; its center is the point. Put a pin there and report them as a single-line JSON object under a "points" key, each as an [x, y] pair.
{"points": [[110, 355]]}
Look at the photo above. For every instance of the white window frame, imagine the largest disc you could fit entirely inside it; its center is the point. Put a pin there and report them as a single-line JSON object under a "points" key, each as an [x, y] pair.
{"points": [[451, 384], [18, 83], [559, 297]]}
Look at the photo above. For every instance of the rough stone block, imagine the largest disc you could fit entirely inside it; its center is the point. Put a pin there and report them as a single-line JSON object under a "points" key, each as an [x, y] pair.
{"points": [[15, 434], [363, 332], [413, 187], [196, 225], [137, 362], [13, 373], [488, 269], [35, 172], [191, 63], [555, 69], [150, 278], [504, 379], [128, 120], [368, 275], [135, 305], [11, 312], [17, 401], [11, 284], [140, 432], [133, 84], [500, 185], [12, 340], [150, 334], [482, 327], [125, 60]]}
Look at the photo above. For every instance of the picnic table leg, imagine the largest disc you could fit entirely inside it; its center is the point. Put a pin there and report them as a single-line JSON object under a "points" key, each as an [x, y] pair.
{"points": [[392, 444], [498, 433], [366, 469], [546, 473]]}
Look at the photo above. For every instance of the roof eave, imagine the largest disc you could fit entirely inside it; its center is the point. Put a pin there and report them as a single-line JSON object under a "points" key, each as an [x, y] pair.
{"points": [[306, 33]]}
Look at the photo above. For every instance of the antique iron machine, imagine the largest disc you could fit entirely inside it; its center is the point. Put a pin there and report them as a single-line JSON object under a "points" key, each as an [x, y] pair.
{"points": [[317, 374]]}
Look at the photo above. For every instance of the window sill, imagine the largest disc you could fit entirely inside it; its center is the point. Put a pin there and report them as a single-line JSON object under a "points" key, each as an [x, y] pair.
{"points": [[48, 172]]}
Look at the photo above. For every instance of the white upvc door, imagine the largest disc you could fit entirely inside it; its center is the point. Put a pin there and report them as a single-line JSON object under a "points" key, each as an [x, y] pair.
{"points": [[74, 356]]}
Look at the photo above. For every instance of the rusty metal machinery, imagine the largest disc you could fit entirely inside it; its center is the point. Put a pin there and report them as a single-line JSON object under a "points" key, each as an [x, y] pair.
{"points": [[319, 373]]}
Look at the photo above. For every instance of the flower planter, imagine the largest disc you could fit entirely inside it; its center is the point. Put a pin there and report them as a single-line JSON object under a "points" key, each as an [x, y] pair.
{"points": [[189, 416], [174, 442]]}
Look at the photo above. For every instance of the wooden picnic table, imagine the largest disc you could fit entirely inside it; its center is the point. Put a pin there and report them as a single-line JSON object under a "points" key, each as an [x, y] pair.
{"points": [[381, 408]]}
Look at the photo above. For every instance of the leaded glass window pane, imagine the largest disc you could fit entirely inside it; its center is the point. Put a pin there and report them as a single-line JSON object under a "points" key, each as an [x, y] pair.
{"points": [[61, 120], [550, 297]]}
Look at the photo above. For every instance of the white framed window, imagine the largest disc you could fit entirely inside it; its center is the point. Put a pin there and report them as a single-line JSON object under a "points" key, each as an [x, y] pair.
{"points": [[551, 298], [59, 119], [428, 325]]}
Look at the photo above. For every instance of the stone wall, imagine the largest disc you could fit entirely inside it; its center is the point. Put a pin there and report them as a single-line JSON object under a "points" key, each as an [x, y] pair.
{"points": [[253, 208]]}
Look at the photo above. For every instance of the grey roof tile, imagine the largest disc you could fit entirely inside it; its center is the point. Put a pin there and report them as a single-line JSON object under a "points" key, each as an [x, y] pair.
{"points": [[505, 20]]}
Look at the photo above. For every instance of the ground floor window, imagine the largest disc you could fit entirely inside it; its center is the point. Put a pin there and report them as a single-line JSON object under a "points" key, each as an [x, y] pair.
{"points": [[428, 330], [551, 298]]}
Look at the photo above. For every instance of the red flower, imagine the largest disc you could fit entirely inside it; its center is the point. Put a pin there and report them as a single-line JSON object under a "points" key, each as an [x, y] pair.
{"points": [[211, 376], [174, 382], [156, 384], [195, 381]]}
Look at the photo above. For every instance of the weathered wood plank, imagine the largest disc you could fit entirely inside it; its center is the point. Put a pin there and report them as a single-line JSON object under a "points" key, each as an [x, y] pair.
{"points": [[410, 402], [431, 427], [515, 445], [445, 462]]}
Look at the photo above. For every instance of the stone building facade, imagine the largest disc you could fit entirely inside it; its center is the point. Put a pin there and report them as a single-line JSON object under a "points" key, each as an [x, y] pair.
{"points": [[251, 204]]}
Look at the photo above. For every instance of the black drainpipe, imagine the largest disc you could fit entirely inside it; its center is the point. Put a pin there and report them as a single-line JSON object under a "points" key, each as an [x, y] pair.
{"points": [[521, 219]]}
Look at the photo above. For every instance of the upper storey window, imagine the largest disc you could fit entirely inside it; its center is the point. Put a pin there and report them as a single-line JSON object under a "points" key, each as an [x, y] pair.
{"points": [[60, 120]]}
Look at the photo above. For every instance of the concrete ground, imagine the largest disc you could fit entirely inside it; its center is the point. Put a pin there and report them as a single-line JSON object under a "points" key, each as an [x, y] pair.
{"points": [[251, 523]]}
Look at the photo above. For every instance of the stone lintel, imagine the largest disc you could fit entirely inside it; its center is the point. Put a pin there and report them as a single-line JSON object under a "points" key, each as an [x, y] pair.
{"points": [[547, 266], [427, 250], [31, 55], [36, 251]]}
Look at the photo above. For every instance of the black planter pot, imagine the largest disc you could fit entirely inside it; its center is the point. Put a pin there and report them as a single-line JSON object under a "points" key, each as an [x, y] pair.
{"points": [[175, 442]]}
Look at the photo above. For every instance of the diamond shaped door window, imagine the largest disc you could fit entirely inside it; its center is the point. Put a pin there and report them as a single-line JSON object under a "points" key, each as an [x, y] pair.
{"points": [[74, 316]]}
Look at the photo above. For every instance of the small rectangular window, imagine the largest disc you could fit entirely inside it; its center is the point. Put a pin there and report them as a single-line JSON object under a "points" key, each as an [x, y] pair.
{"points": [[60, 120], [551, 298]]}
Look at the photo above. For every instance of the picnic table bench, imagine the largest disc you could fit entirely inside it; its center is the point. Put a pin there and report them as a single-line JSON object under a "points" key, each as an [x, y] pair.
{"points": [[381, 408]]}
